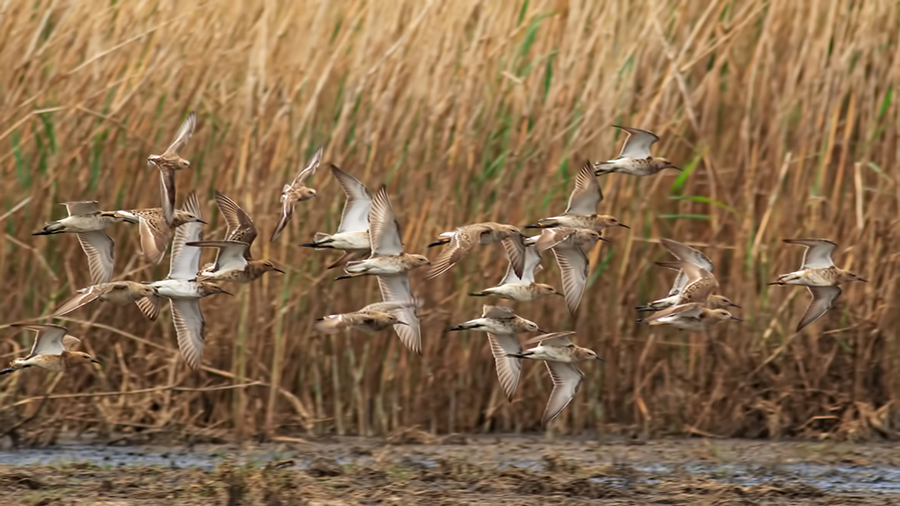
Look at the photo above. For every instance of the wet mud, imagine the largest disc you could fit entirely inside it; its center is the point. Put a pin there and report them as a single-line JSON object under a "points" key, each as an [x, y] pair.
{"points": [[456, 469]]}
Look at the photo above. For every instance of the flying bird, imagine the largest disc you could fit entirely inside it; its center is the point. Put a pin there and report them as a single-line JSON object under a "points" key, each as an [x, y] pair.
{"points": [[240, 227], [635, 158], [52, 350], [560, 356], [89, 222], [297, 191], [171, 161], [370, 319], [184, 291], [819, 275], [502, 326], [700, 283], [391, 265], [117, 292], [699, 260], [156, 233], [570, 247], [582, 209], [233, 260], [464, 238], [232, 264], [352, 235], [523, 288], [694, 316]]}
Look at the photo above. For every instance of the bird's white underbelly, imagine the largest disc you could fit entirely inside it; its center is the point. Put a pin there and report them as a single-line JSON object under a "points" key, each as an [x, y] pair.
{"points": [[493, 326], [514, 291], [350, 240], [379, 266], [176, 288], [551, 353], [692, 324], [83, 224]]}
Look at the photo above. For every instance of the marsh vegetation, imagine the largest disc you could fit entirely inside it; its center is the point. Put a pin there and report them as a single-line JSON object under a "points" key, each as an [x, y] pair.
{"points": [[781, 114]]}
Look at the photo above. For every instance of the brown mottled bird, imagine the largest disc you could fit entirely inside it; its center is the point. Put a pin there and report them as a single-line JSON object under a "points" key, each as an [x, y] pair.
{"points": [[370, 319], [233, 261], [570, 247], [635, 158], [700, 282], [169, 162], [690, 255], [297, 191], [232, 264], [117, 292], [819, 275], [582, 209], [694, 316], [464, 238], [156, 233], [52, 350], [239, 225], [560, 355]]}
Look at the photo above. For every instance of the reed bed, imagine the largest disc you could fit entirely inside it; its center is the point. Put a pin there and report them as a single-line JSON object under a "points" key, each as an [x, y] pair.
{"points": [[781, 113]]}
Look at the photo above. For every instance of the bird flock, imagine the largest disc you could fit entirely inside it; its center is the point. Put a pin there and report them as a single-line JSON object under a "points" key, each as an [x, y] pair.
{"points": [[369, 236]]}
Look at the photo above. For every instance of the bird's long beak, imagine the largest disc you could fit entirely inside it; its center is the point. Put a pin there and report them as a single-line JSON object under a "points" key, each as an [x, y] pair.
{"points": [[276, 269], [94, 360], [401, 323], [542, 331], [226, 292], [861, 279], [598, 357], [455, 327], [736, 318], [201, 221], [624, 226], [604, 239], [558, 293], [732, 304], [673, 167]]}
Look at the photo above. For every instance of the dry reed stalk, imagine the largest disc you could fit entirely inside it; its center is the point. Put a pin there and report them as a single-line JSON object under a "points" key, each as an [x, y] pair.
{"points": [[468, 111]]}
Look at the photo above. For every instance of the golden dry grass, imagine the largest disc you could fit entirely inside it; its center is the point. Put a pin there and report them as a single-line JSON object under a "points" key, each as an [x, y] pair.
{"points": [[782, 114]]}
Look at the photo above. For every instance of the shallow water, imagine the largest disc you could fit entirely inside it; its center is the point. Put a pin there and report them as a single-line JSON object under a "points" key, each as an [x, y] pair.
{"points": [[829, 478], [635, 467]]}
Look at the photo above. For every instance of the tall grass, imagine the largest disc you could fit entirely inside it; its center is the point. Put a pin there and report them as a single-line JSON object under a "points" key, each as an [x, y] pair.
{"points": [[782, 114]]}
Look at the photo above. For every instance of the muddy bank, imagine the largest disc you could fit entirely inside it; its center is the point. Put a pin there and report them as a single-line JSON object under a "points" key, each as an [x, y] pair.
{"points": [[457, 470]]}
